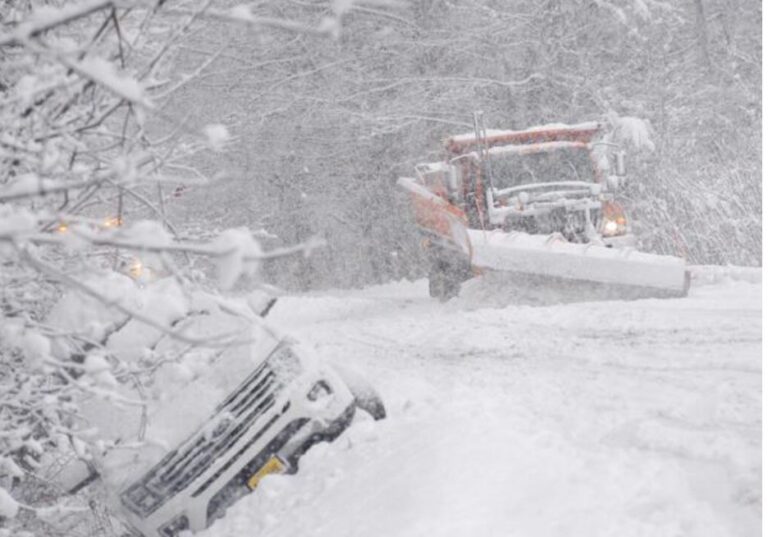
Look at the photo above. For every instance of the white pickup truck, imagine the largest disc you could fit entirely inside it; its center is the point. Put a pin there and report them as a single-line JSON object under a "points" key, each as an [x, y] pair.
{"points": [[214, 419]]}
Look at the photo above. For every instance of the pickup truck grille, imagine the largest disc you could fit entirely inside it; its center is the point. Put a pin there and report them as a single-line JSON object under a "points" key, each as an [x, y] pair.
{"points": [[231, 420]]}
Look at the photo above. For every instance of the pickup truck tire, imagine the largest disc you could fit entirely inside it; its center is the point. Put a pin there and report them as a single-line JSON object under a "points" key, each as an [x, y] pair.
{"points": [[366, 396]]}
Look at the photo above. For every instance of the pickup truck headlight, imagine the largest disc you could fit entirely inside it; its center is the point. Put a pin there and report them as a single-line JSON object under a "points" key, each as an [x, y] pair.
{"points": [[285, 364]]}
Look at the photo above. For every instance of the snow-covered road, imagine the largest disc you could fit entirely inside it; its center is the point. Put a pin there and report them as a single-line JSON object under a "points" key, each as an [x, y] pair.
{"points": [[585, 419]]}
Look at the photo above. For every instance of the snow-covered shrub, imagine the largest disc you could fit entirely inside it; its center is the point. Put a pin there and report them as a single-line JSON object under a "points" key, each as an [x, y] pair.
{"points": [[89, 160]]}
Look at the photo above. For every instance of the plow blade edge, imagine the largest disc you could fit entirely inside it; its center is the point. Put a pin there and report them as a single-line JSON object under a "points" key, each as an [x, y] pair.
{"points": [[623, 270]]}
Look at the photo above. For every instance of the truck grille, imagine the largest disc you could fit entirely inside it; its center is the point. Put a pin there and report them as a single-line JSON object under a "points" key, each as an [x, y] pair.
{"points": [[231, 420]]}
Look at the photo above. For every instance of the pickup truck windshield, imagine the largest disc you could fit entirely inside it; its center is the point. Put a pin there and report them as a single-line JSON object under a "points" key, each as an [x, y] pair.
{"points": [[510, 170]]}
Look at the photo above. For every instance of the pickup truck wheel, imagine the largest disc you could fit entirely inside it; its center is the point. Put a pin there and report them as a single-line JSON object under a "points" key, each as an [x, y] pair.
{"points": [[373, 406], [366, 396]]}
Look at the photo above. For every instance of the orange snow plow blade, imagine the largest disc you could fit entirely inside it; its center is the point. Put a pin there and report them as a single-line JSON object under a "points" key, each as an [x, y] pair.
{"points": [[437, 217]]}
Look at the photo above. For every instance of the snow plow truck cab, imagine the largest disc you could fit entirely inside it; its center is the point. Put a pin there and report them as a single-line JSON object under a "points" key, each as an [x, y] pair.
{"points": [[537, 203]]}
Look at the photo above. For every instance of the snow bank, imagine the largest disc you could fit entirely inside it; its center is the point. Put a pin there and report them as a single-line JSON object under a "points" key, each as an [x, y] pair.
{"points": [[714, 274], [592, 419]]}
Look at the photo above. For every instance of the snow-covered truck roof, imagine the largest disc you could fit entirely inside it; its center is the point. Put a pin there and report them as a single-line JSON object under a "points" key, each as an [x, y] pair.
{"points": [[553, 132], [527, 149]]}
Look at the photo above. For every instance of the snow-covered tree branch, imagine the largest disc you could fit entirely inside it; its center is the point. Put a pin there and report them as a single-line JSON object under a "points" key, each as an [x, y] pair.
{"points": [[89, 161]]}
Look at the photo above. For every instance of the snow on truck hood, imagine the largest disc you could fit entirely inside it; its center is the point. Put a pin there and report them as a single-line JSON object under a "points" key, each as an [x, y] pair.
{"points": [[186, 394], [189, 380]]}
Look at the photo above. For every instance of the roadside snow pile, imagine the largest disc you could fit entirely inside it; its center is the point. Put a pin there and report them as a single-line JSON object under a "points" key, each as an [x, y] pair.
{"points": [[713, 274], [594, 419]]}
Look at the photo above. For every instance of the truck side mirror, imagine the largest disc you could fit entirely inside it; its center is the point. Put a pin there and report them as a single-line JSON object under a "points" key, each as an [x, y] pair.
{"points": [[619, 164]]}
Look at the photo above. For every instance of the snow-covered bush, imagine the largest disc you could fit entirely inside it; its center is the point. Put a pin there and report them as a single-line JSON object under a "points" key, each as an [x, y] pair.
{"points": [[89, 160]]}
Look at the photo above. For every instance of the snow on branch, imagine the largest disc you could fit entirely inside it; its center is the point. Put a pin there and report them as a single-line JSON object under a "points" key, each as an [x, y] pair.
{"points": [[84, 200], [225, 339], [105, 73], [630, 130], [47, 17]]}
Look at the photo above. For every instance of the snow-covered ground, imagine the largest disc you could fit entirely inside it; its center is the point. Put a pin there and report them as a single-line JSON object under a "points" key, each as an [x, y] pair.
{"points": [[583, 419]]}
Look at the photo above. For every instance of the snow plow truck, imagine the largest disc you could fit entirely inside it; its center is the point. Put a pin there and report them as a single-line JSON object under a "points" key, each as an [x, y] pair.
{"points": [[540, 205]]}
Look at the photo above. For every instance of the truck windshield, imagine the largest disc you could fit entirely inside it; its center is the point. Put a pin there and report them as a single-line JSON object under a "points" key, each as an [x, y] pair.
{"points": [[545, 167]]}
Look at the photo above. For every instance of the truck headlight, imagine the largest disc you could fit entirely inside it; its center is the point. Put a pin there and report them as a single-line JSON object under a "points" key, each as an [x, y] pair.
{"points": [[614, 220], [285, 364]]}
